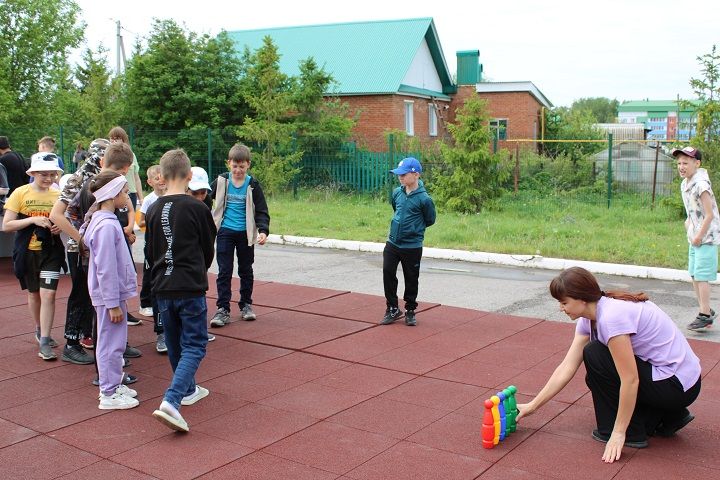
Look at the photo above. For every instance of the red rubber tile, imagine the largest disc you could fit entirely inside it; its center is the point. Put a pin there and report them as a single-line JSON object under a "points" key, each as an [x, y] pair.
{"points": [[181, 456], [261, 466], [251, 384], [481, 374], [289, 296], [42, 458], [410, 359], [20, 390], [434, 393], [514, 355], [497, 472], [70, 376], [244, 354], [314, 400], [56, 411], [5, 375], [691, 445], [367, 344], [29, 362], [462, 435], [113, 433], [11, 433], [388, 417], [350, 305], [564, 458], [319, 331], [364, 379], [15, 345], [106, 469], [302, 366], [644, 464], [575, 422], [418, 462], [255, 426], [331, 447], [452, 344]]}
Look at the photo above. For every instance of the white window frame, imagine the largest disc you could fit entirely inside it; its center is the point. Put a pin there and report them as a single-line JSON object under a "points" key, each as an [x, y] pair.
{"points": [[495, 125], [432, 120], [409, 118]]}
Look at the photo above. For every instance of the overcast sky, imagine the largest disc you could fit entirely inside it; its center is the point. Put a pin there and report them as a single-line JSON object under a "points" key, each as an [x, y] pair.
{"points": [[629, 50]]}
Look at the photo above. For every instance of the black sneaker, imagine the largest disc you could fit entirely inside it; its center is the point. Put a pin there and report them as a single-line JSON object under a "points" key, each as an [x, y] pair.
{"points": [[127, 380], [703, 321], [131, 352], [410, 320], [77, 355], [668, 430], [133, 321], [596, 435], [391, 314]]}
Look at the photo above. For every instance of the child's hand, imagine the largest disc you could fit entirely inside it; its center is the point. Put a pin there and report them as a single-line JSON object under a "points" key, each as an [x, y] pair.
{"points": [[262, 238], [41, 222], [697, 241], [116, 314]]}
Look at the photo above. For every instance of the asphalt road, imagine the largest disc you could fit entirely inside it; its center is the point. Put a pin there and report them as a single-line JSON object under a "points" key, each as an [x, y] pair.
{"points": [[510, 290]]}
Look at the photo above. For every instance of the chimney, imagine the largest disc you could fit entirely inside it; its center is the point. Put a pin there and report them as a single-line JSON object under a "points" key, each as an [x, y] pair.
{"points": [[469, 68]]}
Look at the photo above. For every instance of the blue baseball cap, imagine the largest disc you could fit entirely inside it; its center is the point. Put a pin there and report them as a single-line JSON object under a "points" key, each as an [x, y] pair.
{"points": [[407, 165]]}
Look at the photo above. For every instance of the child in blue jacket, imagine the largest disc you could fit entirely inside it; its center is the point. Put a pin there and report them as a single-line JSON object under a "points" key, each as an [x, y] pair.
{"points": [[414, 212]]}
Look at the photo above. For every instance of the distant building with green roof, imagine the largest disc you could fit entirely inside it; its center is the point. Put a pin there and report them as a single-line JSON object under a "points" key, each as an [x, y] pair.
{"points": [[664, 119]]}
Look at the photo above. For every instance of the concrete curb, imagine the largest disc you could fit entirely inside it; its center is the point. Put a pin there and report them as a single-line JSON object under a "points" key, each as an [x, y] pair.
{"points": [[533, 261]]}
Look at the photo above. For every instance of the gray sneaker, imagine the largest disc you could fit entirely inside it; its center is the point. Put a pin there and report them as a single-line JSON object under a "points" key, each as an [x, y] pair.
{"points": [[247, 313], [46, 352], [160, 343], [221, 318]]}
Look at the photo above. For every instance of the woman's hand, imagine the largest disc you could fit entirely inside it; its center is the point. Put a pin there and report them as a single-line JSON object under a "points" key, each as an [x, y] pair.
{"points": [[524, 409], [613, 447], [116, 314]]}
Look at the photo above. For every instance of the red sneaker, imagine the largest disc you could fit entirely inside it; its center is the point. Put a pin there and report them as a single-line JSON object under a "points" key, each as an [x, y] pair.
{"points": [[87, 342]]}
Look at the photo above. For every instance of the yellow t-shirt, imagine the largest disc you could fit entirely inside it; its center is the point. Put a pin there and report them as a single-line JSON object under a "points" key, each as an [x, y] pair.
{"points": [[27, 200]]}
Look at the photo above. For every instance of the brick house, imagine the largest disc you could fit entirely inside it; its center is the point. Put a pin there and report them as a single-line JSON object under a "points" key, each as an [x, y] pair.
{"points": [[392, 72]]}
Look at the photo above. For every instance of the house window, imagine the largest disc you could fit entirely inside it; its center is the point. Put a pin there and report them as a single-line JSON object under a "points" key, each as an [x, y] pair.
{"points": [[409, 121], [432, 120], [499, 128]]}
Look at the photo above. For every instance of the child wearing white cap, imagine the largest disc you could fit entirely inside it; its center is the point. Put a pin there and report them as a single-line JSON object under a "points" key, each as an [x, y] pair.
{"points": [[38, 253]]}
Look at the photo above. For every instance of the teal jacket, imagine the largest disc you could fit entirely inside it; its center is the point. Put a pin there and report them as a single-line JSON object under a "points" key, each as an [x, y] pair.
{"points": [[413, 214]]}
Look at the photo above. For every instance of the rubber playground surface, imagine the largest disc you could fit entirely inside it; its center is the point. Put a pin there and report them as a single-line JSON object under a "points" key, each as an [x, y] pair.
{"points": [[315, 389]]}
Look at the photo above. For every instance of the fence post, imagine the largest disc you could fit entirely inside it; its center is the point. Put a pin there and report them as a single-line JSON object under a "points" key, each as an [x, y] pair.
{"points": [[517, 166], [210, 152], [391, 161], [609, 169], [62, 145], [657, 154]]}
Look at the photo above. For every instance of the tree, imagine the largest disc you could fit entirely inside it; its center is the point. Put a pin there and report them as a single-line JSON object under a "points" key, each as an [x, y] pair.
{"points": [[707, 89], [271, 98], [35, 39], [602, 109], [100, 97], [471, 176], [182, 80], [571, 124]]}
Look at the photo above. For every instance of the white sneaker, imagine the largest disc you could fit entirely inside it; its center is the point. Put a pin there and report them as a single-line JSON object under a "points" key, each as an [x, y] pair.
{"points": [[170, 417], [146, 311], [122, 390], [117, 401], [194, 397]]}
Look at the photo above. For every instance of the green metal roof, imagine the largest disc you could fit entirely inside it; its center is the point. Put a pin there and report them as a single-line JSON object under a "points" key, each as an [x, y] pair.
{"points": [[363, 57], [653, 105]]}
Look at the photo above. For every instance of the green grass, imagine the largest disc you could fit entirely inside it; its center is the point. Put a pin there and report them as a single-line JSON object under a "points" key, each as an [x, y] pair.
{"points": [[629, 232]]}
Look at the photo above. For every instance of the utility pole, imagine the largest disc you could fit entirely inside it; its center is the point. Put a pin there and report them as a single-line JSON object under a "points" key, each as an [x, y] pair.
{"points": [[120, 49]]}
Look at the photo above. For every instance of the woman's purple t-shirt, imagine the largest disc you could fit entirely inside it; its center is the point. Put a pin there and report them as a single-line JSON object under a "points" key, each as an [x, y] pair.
{"points": [[654, 337]]}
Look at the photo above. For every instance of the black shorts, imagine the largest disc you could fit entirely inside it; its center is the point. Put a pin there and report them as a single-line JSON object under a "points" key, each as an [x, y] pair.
{"points": [[42, 270]]}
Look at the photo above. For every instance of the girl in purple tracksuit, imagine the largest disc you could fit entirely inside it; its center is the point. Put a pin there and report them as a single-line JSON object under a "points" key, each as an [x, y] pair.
{"points": [[111, 281]]}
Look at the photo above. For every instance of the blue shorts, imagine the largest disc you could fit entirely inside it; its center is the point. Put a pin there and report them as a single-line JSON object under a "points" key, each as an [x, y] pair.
{"points": [[703, 262]]}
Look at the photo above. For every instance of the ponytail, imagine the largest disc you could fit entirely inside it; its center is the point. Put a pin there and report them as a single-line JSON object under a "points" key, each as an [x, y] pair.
{"points": [[580, 284]]}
